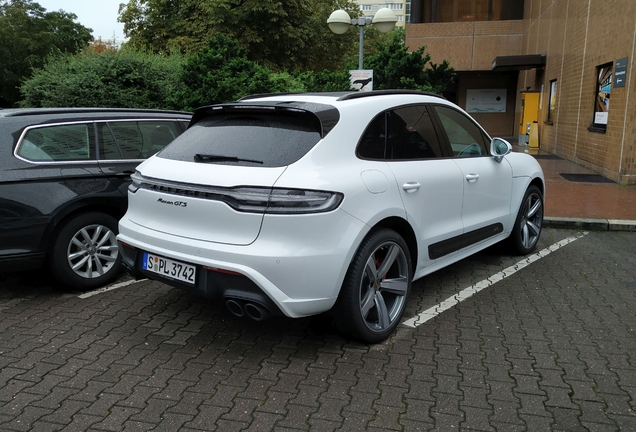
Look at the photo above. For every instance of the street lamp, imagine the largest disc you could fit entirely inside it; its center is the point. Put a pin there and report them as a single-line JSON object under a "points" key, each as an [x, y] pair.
{"points": [[339, 22]]}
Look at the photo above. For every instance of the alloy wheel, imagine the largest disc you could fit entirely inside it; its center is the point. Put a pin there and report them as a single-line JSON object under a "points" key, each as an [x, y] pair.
{"points": [[532, 220], [384, 286], [92, 251]]}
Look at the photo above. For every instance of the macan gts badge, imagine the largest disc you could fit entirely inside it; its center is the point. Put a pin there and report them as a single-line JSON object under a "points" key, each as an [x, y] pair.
{"points": [[300, 204]]}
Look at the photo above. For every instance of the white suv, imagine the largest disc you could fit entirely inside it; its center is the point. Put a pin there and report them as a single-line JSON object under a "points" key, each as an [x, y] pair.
{"points": [[297, 204]]}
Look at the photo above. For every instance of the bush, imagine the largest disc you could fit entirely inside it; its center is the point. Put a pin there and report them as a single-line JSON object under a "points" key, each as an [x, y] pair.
{"points": [[116, 79]]}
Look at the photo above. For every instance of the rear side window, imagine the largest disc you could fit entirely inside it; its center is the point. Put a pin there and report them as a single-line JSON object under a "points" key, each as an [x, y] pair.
{"points": [[268, 139], [134, 139], [72, 142]]}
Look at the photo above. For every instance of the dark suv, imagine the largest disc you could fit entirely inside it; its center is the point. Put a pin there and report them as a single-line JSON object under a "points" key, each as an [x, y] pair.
{"points": [[64, 174]]}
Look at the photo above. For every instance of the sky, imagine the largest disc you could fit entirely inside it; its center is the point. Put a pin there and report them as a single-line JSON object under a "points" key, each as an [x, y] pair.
{"points": [[99, 15]]}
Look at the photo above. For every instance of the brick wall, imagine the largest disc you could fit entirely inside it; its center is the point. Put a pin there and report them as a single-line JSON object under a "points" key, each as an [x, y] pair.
{"points": [[576, 36]]}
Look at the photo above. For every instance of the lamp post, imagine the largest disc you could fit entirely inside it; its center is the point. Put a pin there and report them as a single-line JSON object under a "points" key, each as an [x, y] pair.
{"points": [[339, 22]]}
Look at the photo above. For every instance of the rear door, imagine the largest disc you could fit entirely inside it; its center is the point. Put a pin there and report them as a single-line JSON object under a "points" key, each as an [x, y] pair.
{"points": [[430, 184], [55, 171], [124, 144]]}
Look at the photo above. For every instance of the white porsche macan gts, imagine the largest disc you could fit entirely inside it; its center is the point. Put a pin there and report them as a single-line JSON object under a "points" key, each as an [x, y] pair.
{"points": [[298, 204]]}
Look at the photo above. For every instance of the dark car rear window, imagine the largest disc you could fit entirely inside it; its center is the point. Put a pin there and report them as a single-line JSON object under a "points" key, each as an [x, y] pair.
{"points": [[259, 138]]}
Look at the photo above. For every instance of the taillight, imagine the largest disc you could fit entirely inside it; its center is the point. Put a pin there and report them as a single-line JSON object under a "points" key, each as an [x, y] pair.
{"points": [[250, 199]]}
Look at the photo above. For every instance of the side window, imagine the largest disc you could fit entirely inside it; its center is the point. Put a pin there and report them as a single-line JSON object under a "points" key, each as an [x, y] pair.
{"points": [[465, 137], [108, 148], [372, 145], [411, 134], [71, 142], [135, 139]]}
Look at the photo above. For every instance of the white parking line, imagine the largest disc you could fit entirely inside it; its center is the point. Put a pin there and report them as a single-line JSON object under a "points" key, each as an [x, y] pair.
{"points": [[109, 288], [474, 289]]}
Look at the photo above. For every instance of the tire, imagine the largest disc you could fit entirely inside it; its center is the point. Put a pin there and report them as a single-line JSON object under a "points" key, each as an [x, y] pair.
{"points": [[84, 254], [527, 230], [373, 297]]}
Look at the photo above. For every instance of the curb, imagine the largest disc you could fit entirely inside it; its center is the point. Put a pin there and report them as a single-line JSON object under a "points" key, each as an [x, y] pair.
{"points": [[590, 224]]}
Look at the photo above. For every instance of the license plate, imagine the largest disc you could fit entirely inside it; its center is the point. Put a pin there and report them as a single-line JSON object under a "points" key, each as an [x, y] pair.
{"points": [[169, 268]]}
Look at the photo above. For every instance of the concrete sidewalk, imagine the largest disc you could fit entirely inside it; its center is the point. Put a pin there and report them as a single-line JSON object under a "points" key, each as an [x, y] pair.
{"points": [[577, 197]]}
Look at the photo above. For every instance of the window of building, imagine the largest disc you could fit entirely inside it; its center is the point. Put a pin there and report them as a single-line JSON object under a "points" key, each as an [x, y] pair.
{"points": [[602, 96], [366, 7], [467, 10], [552, 100], [400, 18], [394, 6]]}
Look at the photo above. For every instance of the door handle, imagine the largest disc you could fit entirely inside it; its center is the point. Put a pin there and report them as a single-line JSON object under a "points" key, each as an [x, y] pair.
{"points": [[411, 187], [472, 178]]}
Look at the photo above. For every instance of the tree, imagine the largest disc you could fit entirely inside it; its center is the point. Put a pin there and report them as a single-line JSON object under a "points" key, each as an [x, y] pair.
{"points": [[279, 34], [117, 79], [28, 36], [221, 72], [394, 67]]}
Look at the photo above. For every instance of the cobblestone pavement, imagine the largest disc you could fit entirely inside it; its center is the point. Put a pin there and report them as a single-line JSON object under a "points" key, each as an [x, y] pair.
{"points": [[552, 347]]}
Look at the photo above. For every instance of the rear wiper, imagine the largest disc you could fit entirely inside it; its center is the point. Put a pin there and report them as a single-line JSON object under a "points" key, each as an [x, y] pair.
{"points": [[218, 158]]}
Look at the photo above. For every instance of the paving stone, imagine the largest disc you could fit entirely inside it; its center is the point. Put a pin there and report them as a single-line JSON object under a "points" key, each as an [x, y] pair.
{"points": [[551, 347]]}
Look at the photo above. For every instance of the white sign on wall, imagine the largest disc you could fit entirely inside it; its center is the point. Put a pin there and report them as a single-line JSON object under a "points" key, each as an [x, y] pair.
{"points": [[486, 100]]}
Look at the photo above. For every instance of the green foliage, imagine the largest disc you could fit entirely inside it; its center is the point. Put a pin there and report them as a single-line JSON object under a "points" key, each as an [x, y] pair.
{"points": [[394, 67], [118, 79], [325, 81], [278, 34], [28, 35], [221, 73]]}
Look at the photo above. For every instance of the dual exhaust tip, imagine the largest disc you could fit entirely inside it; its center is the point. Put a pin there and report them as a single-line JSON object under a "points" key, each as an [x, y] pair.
{"points": [[250, 309]]}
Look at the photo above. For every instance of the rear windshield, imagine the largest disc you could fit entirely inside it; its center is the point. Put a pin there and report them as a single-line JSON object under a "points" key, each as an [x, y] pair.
{"points": [[268, 139]]}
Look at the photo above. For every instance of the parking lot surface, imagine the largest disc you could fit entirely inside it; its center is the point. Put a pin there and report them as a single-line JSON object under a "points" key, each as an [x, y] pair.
{"points": [[551, 346]]}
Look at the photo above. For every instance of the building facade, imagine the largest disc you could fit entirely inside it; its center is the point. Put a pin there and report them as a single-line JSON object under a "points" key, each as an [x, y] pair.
{"points": [[399, 7], [551, 64]]}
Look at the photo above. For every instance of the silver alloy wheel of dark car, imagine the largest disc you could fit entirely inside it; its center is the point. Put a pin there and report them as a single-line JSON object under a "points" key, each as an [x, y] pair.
{"points": [[92, 251], [84, 253]]}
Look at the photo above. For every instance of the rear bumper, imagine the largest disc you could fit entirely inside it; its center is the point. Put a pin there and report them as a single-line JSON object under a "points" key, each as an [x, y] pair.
{"points": [[217, 285], [296, 265]]}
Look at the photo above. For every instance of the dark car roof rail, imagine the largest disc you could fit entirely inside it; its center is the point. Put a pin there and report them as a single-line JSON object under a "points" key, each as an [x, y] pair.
{"points": [[17, 112], [358, 94]]}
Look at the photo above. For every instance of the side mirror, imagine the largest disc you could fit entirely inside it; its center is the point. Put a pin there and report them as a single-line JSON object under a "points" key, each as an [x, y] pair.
{"points": [[499, 148]]}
